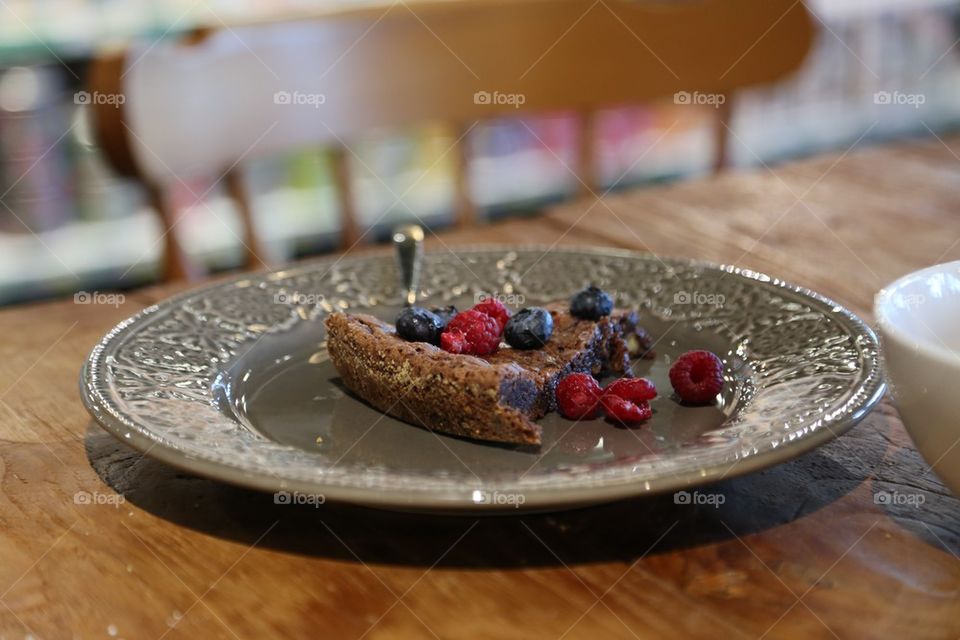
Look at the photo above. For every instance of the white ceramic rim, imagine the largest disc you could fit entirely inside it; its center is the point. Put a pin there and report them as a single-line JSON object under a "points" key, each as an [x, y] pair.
{"points": [[892, 331]]}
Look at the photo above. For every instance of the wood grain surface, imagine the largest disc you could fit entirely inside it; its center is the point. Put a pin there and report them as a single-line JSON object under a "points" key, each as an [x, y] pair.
{"points": [[801, 550]]}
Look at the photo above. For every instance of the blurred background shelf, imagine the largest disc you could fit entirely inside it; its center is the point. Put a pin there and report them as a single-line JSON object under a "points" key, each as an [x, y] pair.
{"points": [[62, 209]]}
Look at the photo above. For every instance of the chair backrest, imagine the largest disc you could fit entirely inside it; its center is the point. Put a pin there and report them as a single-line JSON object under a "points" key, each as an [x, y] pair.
{"points": [[199, 107]]}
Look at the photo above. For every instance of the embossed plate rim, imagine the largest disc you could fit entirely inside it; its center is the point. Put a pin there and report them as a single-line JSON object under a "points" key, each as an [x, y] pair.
{"points": [[149, 442]]}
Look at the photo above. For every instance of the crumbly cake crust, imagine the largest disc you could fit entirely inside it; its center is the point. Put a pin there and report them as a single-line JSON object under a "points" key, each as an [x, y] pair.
{"points": [[495, 398]]}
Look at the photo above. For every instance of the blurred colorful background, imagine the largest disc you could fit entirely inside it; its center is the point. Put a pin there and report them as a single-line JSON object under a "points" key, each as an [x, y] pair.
{"points": [[63, 210]]}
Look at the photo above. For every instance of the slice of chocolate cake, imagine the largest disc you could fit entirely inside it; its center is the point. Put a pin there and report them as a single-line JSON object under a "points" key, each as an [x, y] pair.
{"points": [[496, 397]]}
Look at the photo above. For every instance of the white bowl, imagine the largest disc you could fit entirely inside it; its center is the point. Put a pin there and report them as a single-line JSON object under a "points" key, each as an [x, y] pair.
{"points": [[919, 322]]}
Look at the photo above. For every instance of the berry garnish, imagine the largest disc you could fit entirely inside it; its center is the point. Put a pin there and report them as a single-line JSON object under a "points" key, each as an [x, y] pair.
{"points": [[697, 377], [591, 303], [419, 325], [495, 309], [453, 341], [445, 314], [624, 411], [632, 389], [480, 334], [529, 328], [578, 396]]}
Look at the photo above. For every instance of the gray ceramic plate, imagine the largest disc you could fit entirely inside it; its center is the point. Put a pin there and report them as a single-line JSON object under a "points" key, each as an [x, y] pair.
{"points": [[233, 382]]}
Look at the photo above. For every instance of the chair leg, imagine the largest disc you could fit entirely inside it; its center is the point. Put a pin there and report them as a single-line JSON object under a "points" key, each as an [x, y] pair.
{"points": [[465, 211], [176, 264], [350, 225], [236, 190], [721, 134], [586, 154]]}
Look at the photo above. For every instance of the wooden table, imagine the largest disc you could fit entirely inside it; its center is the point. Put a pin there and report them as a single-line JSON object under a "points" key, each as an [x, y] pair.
{"points": [[799, 550]]}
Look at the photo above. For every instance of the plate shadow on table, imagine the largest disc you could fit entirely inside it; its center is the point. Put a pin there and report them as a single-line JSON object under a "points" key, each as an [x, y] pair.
{"points": [[620, 531]]}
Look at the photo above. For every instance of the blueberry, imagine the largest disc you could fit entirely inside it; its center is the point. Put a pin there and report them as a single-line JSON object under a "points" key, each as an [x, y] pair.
{"points": [[529, 328], [591, 303], [419, 325], [445, 313]]}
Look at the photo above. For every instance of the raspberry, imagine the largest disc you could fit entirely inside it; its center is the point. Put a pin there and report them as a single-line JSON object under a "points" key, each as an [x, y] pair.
{"points": [[479, 334], [624, 411], [453, 341], [495, 309], [578, 396], [632, 389], [697, 377]]}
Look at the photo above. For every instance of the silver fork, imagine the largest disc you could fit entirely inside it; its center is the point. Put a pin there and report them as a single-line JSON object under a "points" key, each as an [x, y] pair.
{"points": [[408, 241]]}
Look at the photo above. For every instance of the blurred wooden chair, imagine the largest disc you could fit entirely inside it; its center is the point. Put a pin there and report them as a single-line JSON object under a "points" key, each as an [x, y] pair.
{"points": [[200, 106]]}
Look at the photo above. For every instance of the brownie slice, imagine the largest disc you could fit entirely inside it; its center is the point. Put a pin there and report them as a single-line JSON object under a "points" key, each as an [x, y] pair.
{"points": [[494, 398]]}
